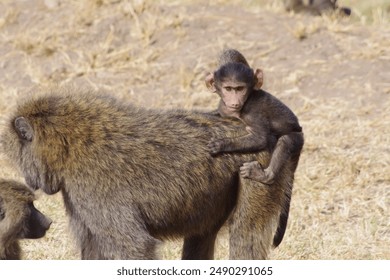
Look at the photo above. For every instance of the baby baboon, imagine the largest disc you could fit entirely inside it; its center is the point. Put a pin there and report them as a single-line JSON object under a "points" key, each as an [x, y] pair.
{"points": [[267, 119], [18, 218], [127, 177], [315, 7]]}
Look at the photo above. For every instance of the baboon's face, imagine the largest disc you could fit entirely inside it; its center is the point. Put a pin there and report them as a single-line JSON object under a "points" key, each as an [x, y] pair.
{"points": [[20, 219], [32, 148], [234, 94]]}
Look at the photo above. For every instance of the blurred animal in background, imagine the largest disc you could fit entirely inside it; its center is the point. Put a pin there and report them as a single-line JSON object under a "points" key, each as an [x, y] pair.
{"points": [[316, 7]]}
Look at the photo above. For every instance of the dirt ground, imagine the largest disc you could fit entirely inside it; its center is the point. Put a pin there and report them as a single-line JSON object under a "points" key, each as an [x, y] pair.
{"points": [[334, 73]]}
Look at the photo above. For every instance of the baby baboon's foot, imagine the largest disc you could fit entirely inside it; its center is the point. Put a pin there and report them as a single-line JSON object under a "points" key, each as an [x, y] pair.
{"points": [[253, 170]]}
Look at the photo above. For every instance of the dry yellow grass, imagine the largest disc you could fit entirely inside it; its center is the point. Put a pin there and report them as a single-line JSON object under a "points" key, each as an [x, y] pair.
{"points": [[334, 73]]}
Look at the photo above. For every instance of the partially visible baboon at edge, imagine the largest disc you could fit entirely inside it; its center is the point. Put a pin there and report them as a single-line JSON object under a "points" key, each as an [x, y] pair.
{"points": [[316, 7], [131, 176], [18, 218]]}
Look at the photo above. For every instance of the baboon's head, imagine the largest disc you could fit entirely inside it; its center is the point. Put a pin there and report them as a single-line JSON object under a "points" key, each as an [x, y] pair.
{"points": [[18, 216], [54, 135], [32, 141]]}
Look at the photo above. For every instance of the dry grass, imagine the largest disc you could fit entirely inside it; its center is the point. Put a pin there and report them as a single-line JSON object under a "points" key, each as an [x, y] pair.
{"points": [[334, 73]]}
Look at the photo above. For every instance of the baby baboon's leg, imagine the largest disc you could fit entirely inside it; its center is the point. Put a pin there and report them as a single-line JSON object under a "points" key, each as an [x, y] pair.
{"points": [[287, 146]]}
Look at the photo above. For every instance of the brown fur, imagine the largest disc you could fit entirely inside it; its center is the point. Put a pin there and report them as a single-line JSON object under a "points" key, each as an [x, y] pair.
{"points": [[131, 176], [18, 218]]}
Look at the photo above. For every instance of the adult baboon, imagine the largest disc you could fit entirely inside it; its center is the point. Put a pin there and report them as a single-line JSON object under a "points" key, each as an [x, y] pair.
{"points": [[131, 176], [18, 218]]}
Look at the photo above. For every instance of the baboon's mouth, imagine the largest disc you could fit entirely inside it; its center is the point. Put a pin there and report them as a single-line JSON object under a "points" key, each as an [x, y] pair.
{"points": [[234, 109]]}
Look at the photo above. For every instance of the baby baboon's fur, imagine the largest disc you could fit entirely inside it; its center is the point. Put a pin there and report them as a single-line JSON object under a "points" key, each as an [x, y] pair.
{"points": [[18, 218], [131, 176], [231, 55]]}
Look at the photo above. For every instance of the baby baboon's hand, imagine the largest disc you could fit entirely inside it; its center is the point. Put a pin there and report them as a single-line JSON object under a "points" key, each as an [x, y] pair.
{"points": [[216, 146]]}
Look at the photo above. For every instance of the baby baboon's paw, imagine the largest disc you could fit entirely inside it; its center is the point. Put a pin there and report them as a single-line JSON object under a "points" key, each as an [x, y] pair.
{"points": [[215, 146], [253, 170]]}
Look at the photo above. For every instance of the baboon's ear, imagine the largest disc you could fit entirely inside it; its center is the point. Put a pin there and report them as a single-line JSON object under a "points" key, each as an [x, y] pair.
{"points": [[209, 80], [258, 79], [24, 129], [2, 210]]}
